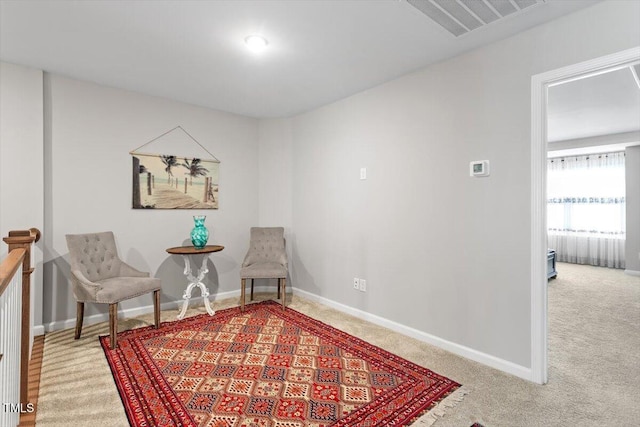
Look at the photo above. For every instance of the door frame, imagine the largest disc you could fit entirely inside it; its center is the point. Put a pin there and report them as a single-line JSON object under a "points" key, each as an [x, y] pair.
{"points": [[539, 86]]}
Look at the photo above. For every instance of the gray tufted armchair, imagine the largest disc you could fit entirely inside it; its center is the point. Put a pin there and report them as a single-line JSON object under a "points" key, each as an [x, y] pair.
{"points": [[266, 259], [99, 276]]}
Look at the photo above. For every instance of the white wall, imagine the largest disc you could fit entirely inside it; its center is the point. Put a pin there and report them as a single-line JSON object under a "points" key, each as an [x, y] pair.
{"points": [[594, 144], [632, 244], [21, 160], [89, 132], [275, 173], [443, 253]]}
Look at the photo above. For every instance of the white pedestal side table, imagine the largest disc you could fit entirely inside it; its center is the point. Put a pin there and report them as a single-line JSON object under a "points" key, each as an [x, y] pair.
{"points": [[186, 252]]}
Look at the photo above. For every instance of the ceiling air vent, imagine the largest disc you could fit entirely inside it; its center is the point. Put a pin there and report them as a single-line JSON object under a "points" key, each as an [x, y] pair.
{"points": [[461, 16]]}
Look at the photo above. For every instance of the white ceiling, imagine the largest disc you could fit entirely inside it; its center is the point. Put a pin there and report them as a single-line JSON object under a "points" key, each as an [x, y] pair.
{"points": [[604, 104], [192, 51]]}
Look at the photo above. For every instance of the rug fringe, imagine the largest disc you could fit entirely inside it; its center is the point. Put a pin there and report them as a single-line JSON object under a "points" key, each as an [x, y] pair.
{"points": [[439, 410]]}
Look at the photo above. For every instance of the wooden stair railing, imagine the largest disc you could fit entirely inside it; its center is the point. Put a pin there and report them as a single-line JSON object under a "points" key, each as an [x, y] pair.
{"points": [[20, 242]]}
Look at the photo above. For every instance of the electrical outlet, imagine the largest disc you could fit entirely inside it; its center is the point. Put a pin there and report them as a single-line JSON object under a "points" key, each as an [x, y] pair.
{"points": [[363, 173], [356, 283], [363, 285]]}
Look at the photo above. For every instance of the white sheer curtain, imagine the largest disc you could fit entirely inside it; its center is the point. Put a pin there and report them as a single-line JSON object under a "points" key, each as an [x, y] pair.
{"points": [[586, 209]]}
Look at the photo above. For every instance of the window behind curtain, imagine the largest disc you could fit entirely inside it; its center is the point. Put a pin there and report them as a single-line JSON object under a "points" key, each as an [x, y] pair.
{"points": [[586, 209]]}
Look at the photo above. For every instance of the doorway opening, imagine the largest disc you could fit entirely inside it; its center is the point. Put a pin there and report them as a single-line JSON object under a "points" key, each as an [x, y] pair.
{"points": [[539, 90]]}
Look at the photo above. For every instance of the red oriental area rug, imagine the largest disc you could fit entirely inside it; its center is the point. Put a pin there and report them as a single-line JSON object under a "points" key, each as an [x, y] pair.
{"points": [[265, 367]]}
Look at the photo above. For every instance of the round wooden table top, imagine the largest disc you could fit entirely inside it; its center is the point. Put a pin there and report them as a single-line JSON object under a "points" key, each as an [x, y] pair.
{"points": [[192, 250]]}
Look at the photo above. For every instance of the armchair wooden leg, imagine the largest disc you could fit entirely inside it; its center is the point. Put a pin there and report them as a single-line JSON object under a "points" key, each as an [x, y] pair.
{"points": [[279, 286], [284, 292], [252, 280], [156, 308], [243, 283], [79, 318], [113, 325]]}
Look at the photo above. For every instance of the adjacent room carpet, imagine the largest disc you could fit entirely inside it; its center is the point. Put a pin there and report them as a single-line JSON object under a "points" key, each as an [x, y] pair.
{"points": [[266, 367]]}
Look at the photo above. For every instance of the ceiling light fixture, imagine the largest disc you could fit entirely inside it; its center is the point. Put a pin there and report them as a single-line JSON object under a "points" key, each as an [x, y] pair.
{"points": [[256, 43]]}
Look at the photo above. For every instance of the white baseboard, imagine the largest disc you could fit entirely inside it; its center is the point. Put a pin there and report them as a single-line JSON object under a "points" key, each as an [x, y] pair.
{"points": [[632, 272], [38, 330], [137, 311], [132, 312], [103, 317], [460, 350]]}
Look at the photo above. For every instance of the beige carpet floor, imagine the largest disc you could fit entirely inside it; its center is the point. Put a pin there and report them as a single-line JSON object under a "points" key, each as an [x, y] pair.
{"points": [[594, 356]]}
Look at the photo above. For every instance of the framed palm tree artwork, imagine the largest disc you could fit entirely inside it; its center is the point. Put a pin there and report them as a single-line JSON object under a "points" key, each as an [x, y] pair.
{"points": [[172, 182]]}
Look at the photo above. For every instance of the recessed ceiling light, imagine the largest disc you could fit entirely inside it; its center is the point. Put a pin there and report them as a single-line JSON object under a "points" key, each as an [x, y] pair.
{"points": [[256, 43]]}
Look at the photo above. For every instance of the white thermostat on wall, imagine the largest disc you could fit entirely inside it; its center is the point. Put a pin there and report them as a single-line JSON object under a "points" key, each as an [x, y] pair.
{"points": [[479, 168]]}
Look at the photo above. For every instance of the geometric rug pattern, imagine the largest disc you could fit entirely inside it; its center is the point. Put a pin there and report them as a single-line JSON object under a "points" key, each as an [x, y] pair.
{"points": [[265, 367]]}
